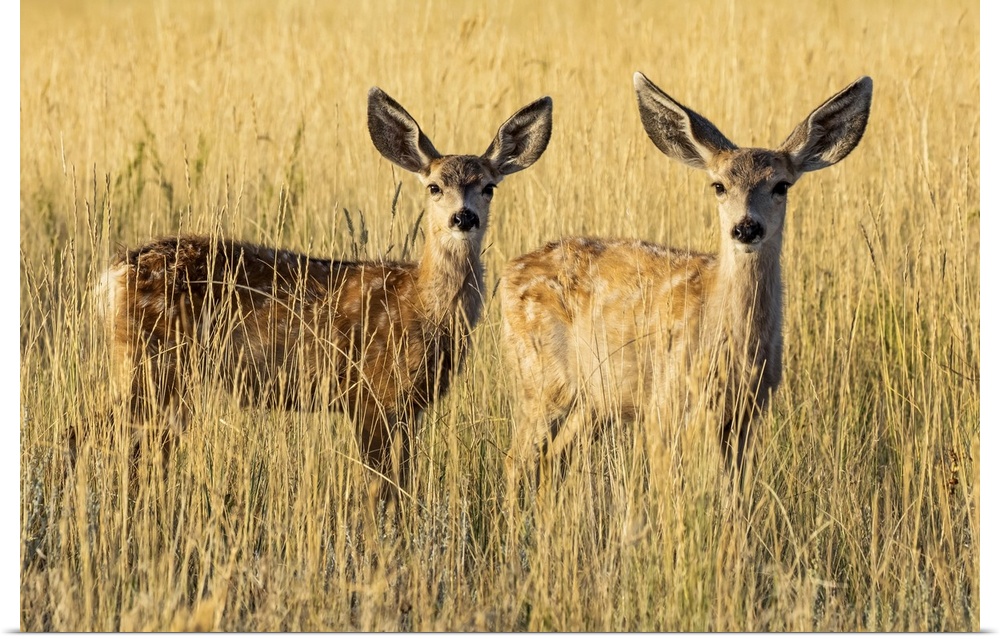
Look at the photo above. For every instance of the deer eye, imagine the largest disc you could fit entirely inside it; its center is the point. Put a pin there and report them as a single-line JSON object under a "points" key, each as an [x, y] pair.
{"points": [[719, 189], [781, 189], [434, 189], [488, 190]]}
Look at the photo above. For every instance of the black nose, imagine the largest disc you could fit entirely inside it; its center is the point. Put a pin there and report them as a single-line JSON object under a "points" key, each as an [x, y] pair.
{"points": [[465, 220], [748, 231]]}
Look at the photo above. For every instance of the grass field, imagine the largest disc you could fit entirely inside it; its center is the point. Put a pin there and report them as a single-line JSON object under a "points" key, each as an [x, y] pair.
{"points": [[861, 511]]}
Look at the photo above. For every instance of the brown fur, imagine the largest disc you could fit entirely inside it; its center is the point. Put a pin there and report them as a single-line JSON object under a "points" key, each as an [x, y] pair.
{"points": [[284, 331], [379, 340], [597, 327]]}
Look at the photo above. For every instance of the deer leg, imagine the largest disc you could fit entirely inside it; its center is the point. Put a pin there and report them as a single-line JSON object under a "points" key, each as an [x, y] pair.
{"points": [[400, 453], [156, 414], [528, 443], [548, 443], [735, 438], [523, 453], [384, 441], [155, 394], [560, 449]]}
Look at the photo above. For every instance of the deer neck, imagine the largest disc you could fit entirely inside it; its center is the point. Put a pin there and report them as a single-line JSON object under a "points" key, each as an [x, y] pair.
{"points": [[747, 304], [450, 280]]}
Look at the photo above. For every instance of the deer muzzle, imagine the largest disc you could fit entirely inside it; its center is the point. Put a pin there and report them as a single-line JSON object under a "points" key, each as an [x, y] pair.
{"points": [[748, 231], [465, 220]]}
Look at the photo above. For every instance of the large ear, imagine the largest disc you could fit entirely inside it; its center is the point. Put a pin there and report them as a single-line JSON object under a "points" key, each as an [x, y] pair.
{"points": [[675, 129], [396, 134], [522, 138], [831, 131]]}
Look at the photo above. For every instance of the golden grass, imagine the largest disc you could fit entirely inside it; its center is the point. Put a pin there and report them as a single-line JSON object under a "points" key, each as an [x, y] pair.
{"points": [[862, 510]]}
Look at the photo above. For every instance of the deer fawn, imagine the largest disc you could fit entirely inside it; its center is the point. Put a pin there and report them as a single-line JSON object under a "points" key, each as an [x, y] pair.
{"points": [[378, 340], [612, 327]]}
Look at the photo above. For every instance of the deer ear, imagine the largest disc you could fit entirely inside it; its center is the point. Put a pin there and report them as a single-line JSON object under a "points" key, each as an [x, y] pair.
{"points": [[676, 130], [832, 131], [397, 135], [522, 139]]}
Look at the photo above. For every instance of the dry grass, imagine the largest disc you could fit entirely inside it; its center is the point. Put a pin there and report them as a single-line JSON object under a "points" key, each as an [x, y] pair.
{"points": [[862, 511]]}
